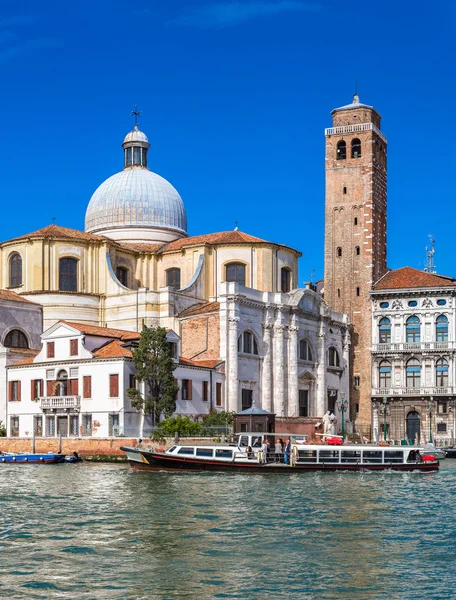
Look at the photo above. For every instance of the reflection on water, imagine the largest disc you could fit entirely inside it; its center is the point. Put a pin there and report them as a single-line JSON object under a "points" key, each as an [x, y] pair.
{"points": [[90, 531]]}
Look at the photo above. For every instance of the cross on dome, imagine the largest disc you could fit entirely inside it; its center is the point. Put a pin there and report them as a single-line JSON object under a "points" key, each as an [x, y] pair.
{"points": [[136, 114]]}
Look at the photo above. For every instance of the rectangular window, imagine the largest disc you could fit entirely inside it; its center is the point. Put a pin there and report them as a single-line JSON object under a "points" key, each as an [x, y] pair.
{"points": [[441, 427], [218, 394], [36, 390], [50, 426], [50, 350], [74, 372], [186, 451], [350, 456], [356, 380], [87, 386], [208, 452], [223, 453], [173, 349], [205, 395], [186, 389], [442, 407], [247, 399], [14, 391], [328, 456], [305, 456], [73, 347], [50, 373], [303, 403], [74, 425], [86, 424], [114, 386], [372, 456], [394, 456], [132, 381], [14, 426], [38, 425], [114, 422]]}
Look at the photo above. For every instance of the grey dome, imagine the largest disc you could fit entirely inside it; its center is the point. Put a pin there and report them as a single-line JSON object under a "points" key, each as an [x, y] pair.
{"points": [[136, 197], [136, 135]]}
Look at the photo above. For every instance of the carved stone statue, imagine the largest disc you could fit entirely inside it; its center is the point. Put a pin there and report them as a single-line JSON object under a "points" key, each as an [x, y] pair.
{"points": [[326, 423]]}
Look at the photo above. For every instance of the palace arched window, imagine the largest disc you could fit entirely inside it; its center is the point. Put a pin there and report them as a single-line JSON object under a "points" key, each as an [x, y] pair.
{"points": [[441, 373], [441, 329], [285, 280], [247, 343], [305, 351], [62, 383], [122, 275], [68, 275], [235, 272], [173, 278], [333, 357], [384, 331], [341, 150], [356, 148], [16, 339], [413, 329], [413, 373], [384, 374], [15, 270]]}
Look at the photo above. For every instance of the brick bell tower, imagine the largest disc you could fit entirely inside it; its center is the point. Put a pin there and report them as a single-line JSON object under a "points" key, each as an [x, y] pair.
{"points": [[355, 234]]}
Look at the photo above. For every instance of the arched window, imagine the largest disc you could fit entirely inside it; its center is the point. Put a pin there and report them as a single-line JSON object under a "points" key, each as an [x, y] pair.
{"points": [[341, 150], [305, 351], [413, 373], [122, 275], [339, 251], [16, 339], [235, 272], [355, 221], [345, 190], [173, 278], [384, 331], [413, 329], [356, 148], [357, 250], [62, 383], [15, 270], [384, 374], [333, 357], [247, 343], [285, 279], [68, 275], [441, 373], [441, 329]]}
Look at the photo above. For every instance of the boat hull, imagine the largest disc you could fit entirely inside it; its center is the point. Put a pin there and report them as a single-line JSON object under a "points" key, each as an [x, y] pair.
{"points": [[31, 459], [156, 461]]}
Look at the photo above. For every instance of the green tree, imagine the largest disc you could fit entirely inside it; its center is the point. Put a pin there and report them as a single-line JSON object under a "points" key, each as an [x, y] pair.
{"points": [[2, 429], [155, 366]]}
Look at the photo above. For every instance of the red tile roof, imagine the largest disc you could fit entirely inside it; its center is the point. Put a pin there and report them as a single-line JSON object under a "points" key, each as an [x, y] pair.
{"points": [[13, 297], [27, 361], [56, 231], [207, 364], [120, 334], [150, 248], [112, 349], [406, 278], [201, 309]]}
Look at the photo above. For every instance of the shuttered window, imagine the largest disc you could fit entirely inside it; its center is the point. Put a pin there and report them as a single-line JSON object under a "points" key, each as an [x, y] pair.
{"points": [[14, 391], [205, 391], [87, 386], [218, 394], [50, 349], [73, 347], [74, 387], [132, 381], [186, 389], [36, 388], [114, 386], [50, 388]]}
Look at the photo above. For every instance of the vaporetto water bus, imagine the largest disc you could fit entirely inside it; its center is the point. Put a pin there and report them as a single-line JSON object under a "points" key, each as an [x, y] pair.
{"points": [[248, 456]]}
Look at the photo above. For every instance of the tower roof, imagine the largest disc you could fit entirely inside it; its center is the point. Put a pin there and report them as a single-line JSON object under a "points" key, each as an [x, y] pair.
{"points": [[354, 105]]}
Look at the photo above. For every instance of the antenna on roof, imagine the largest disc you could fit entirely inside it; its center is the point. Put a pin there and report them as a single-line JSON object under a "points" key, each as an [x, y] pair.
{"points": [[236, 223], [430, 250]]}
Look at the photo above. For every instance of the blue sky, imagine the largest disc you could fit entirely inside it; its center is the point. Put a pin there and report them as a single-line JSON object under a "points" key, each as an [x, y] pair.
{"points": [[235, 98]]}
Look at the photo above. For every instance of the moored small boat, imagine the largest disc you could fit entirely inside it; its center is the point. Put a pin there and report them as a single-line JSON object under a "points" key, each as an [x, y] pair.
{"points": [[31, 458]]}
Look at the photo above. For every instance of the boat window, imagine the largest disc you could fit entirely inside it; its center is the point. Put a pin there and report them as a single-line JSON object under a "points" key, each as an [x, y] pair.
{"points": [[307, 456], [186, 450], [223, 454], [243, 441], [350, 456], [329, 456], [172, 448], [256, 442], [396, 456], [372, 456], [205, 452]]}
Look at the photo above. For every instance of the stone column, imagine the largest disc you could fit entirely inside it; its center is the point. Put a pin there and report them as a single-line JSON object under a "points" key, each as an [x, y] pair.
{"points": [[321, 404], [293, 393], [266, 375], [232, 367], [279, 370]]}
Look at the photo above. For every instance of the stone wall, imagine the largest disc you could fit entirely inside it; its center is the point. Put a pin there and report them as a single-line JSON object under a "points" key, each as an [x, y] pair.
{"points": [[109, 447]]}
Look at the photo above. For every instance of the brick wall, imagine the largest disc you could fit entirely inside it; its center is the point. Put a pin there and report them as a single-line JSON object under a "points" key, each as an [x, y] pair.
{"points": [[83, 446], [201, 334]]}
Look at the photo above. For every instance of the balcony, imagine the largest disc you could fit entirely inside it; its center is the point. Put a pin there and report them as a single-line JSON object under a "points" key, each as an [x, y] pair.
{"points": [[400, 391], [343, 129], [414, 347], [58, 402]]}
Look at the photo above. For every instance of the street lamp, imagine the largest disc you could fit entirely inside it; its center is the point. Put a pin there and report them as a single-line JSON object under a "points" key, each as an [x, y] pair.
{"points": [[342, 405], [383, 407], [429, 407]]}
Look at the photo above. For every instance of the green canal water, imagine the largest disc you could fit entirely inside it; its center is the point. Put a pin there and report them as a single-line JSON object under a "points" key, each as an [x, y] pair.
{"points": [[101, 531]]}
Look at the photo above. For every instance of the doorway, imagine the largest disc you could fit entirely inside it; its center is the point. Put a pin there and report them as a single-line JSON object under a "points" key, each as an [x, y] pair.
{"points": [[62, 426], [413, 426]]}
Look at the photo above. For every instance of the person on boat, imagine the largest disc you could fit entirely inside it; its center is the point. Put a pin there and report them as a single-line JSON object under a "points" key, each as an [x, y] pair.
{"points": [[279, 448], [265, 448], [287, 452], [250, 453]]}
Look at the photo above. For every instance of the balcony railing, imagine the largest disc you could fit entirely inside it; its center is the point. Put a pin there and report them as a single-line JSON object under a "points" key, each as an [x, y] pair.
{"points": [[414, 347], [60, 402], [400, 391], [354, 129]]}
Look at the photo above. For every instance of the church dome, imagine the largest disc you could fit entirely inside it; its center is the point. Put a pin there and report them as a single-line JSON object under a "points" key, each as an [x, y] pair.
{"points": [[136, 204]]}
